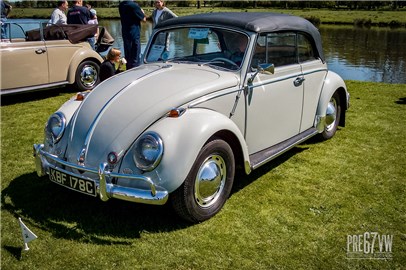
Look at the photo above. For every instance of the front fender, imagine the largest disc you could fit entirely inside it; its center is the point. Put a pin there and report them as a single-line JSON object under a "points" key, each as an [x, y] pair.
{"points": [[80, 56], [183, 137]]}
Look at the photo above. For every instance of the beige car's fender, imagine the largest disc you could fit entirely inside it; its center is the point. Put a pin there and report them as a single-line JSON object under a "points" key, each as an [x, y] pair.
{"points": [[80, 56], [184, 137]]}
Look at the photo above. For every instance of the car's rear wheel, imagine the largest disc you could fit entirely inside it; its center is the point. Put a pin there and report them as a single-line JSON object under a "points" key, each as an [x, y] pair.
{"points": [[208, 184], [332, 117], [87, 75]]}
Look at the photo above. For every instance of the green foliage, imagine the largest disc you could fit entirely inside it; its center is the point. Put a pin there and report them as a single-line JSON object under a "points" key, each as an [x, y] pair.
{"points": [[293, 213], [363, 22], [318, 16]]}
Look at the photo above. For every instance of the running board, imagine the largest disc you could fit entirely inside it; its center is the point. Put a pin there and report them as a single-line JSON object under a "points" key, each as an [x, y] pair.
{"points": [[262, 157], [32, 88]]}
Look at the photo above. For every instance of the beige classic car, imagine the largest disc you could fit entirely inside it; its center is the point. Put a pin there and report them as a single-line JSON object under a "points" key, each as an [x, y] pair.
{"points": [[36, 56], [217, 93]]}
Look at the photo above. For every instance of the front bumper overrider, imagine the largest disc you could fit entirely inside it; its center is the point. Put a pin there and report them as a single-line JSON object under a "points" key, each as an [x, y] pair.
{"points": [[103, 179]]}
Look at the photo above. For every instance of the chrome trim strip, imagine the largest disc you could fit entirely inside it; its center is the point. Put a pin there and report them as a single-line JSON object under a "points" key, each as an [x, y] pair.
{"points": [[92, 127], [157, 195], [287, 77], [32, 88], [100, 113], [279, 79], [213, 96], [315, 71]]}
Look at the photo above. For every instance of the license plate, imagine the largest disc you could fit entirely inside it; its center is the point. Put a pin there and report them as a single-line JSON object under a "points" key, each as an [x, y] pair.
{"points": [[85, 186]]}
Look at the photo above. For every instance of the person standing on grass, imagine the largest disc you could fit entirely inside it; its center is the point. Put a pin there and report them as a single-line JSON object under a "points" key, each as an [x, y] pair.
{"points": [[78, 14], [58, 16], [5, 10], [93, 20], [161, 13], [131, 16]]}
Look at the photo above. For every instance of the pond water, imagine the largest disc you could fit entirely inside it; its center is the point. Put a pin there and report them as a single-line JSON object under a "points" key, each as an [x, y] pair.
{"points": [[364, 54], [376, 54]]}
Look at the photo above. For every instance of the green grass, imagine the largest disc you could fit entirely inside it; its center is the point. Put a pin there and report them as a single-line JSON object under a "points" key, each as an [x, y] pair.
{"points": [[293, 213], [325, 16]]}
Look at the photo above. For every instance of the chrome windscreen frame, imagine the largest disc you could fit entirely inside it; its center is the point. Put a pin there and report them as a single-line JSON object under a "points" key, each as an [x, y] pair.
{"points": [[105, 188]]}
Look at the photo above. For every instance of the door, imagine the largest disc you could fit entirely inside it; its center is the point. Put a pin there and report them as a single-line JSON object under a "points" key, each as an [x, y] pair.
{"points": [[24, 63], [274, 102], [314, 72]]}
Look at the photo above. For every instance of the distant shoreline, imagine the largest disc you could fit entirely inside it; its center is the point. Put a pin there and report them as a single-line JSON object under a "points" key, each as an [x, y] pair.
{"points": [[316, 16]]}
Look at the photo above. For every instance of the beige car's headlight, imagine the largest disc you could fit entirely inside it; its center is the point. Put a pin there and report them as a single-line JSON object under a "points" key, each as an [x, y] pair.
{"points": [[55, 126], [148, 151]]}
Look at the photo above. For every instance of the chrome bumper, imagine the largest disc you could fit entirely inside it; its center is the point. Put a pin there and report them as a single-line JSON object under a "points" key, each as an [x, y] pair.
{"points": [[105, 189]]}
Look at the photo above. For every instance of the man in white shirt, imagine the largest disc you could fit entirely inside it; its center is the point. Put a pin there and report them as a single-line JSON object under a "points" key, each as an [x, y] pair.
{"points": [[58, 16]]}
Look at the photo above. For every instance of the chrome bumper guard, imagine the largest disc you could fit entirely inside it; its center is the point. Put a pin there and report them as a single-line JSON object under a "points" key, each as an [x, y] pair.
{"points": [[105, 188]]}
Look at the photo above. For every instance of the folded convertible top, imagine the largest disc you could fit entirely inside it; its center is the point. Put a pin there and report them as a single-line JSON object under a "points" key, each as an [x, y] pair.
{"points": [[73, 32]]}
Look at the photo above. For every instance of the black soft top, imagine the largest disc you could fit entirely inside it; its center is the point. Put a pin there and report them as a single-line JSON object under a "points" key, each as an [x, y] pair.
{"points": [[259, 22]]}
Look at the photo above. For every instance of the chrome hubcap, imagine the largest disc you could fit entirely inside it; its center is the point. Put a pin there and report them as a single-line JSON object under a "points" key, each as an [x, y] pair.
{"points": [[331, 114], [210, 180], [88, 76]]}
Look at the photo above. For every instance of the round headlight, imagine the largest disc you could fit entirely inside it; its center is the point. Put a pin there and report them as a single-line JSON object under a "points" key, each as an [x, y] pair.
{"points": [[148, 151], [56, 126]]}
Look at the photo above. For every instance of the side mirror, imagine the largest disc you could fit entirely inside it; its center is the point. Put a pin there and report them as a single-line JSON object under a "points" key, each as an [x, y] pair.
{"points": [[268, 69]]}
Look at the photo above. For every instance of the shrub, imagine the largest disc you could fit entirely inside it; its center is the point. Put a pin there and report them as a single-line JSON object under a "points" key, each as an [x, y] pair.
{"points": [[362, 22], [314, 20]]}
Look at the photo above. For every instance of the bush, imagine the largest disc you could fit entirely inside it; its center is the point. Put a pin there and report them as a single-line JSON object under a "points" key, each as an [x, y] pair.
{"points": [[395, 23], [363, 22], [314, 20]]}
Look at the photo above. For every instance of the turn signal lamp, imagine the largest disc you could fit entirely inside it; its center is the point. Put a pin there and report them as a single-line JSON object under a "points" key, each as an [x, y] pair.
{"points": [[81, 95], [176, 112]]}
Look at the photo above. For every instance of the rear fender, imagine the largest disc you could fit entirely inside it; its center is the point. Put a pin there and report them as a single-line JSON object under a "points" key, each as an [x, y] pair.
{"points": [[332, 83]]}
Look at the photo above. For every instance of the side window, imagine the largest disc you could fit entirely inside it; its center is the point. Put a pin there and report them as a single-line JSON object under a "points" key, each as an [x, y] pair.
{"points": [[276, 48], [305, 49]]}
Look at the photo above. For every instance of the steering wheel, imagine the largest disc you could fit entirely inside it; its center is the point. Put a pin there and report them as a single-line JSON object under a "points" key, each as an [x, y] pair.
{"points": [[224, 60]]}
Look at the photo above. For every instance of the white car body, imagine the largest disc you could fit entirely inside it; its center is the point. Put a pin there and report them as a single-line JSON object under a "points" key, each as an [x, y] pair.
{"points": [[180, 126]]}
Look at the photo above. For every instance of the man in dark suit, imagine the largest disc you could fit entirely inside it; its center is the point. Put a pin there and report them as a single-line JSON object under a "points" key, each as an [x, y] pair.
{"points": [[131, 16]]}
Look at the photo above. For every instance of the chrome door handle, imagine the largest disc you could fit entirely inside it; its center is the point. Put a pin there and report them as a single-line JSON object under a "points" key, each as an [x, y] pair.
{"points": [[39, 51], [298, 81]]}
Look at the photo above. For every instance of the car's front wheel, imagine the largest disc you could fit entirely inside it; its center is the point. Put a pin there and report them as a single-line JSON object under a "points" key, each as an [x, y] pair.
{"points": [[208, 184], [332, 117], [87, 75]]}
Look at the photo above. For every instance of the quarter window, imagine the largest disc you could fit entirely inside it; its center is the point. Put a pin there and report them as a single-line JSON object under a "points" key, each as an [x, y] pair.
{"points": [[305, 49]]}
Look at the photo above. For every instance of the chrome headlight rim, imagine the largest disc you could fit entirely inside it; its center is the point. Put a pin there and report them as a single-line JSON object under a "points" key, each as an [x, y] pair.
{"points": [[61, 121], [150, 138]]}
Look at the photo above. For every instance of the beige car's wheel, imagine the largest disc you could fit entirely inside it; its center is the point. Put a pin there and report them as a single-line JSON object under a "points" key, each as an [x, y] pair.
{"points": [[87, 75]]}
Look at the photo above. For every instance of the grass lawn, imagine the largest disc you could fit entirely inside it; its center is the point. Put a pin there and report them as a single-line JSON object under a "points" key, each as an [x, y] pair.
{"points": [[293, 213]]}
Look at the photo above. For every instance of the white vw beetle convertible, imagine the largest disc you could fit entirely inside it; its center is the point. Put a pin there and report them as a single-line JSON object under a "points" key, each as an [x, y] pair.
{"points": [[216, 93]]}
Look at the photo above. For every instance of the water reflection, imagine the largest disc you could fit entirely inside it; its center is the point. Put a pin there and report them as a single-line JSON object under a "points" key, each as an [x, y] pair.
{"points": [[114, 27], [375, 54]]}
